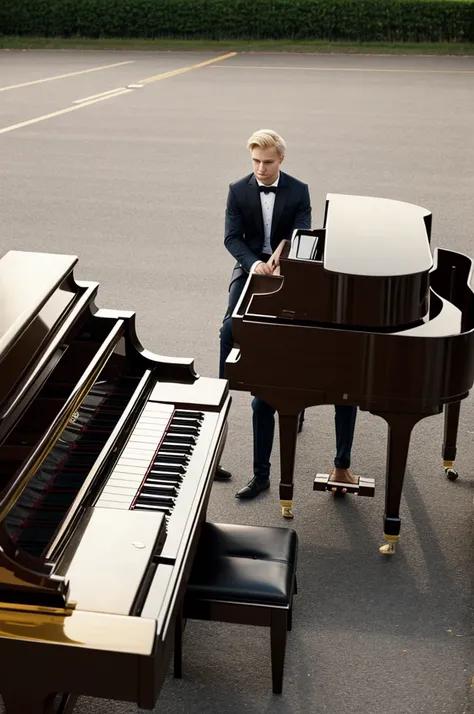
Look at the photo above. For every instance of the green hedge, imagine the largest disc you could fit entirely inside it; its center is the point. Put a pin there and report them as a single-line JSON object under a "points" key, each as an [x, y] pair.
{"points": [[351, 20]]}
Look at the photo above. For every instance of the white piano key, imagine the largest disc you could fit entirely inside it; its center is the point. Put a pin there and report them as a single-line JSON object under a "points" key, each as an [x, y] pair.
{"points": [[144, 463], [111, 504], [160, 407], [125, 491], [125, 481], [155, 416], [132, 470], [131, 452], [116, 498], [143, 440], [155, 433]]}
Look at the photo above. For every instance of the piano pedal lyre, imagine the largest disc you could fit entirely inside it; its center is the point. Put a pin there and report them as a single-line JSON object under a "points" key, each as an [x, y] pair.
{"points": [[286, 509], [364, 486]]}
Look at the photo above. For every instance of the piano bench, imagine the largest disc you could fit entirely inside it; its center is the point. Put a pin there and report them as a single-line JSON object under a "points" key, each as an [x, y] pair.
{"points": [[244, 575]]}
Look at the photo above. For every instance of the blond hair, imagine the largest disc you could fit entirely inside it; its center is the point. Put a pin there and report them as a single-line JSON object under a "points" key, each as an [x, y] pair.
{"points": [[266, 139]]}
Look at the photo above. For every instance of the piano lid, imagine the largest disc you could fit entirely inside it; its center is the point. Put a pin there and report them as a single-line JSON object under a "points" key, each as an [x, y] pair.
{"points": [[376, 236], [27, 281]]}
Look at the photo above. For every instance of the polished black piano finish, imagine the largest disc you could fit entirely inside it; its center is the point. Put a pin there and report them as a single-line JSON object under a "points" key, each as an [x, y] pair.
{"points": [[372, 268], [292, 360], [91, 582]]}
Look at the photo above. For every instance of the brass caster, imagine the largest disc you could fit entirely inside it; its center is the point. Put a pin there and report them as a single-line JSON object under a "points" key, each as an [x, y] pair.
{"points": [[451, 473], [387, 548], [286, 509]]}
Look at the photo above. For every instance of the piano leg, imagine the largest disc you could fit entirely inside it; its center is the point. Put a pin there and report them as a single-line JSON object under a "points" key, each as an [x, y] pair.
{"points": [[39, 703], [400, 427], [288, 435], [451, 423]]}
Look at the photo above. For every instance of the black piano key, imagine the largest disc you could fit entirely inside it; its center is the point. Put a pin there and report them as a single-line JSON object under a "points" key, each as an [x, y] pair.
{"points": [[159, 490], [159, 466], [194, 423], [191, 414], [153, 507], [156, 499], [163, 475], [180, 439], [177, 448], [163, 482], [167, 457], [184, 430]]}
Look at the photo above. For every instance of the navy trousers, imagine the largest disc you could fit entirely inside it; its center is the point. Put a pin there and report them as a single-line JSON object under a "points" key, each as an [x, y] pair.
{"points": [[263, 417]]}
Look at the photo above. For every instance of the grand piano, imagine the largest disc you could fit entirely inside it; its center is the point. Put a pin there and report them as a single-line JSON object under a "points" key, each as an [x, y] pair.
{"points": [[107, 456], [361, 313]]}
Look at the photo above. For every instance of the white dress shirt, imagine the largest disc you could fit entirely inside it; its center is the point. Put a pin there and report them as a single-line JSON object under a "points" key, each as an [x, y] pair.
{"points": [[267, 201]]}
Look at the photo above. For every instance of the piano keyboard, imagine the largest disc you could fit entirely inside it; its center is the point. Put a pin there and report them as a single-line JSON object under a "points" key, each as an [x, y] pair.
{"points": [[162, 465]]}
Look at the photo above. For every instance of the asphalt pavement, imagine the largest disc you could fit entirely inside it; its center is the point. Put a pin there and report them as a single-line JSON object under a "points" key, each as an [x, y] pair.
{"points": [[133, 180]]}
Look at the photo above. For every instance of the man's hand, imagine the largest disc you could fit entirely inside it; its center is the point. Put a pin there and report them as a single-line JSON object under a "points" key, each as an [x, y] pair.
{"points": [[263, 268]]}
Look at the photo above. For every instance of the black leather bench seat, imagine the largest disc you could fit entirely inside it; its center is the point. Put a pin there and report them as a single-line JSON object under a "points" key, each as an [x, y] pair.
{"points": [[252, 564]]}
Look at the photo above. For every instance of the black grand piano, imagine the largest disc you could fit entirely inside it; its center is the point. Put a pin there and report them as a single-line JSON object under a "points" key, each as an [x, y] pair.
{"points": [[107, 456], [360, 313]]}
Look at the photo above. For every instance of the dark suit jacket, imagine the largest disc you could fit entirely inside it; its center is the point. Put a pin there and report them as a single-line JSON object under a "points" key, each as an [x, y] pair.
{"points": [[244, 235]]}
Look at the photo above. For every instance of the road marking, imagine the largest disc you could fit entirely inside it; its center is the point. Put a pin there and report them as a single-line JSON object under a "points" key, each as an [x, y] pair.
{"points": [[64, 76], [62, 111], [102, 94], [182, 70], [349, 69], [87, 101]]}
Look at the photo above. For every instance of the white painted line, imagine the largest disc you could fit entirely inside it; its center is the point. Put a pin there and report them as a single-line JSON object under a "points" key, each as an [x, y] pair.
{"points": [[64, 76], [346, 69], [22, 124], [79, 104], [102, 94], [134, 86]]}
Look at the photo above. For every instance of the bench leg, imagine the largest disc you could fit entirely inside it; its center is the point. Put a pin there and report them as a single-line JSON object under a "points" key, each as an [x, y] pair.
{"points": [[178, 646], [278, 630]]}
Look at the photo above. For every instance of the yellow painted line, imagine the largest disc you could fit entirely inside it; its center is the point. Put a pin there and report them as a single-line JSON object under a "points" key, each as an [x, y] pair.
{"points": [[36, 120], [101, 94], [64, 76], [110, 95], [348, 69], [182, 70]]}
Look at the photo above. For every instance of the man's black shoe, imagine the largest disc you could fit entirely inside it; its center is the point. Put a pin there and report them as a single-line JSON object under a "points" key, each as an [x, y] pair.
{"points": [[253, 488], [222, 475]]}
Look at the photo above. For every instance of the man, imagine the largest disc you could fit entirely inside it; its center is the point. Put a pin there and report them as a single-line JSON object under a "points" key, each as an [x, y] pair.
{"points": [[263, 209]]}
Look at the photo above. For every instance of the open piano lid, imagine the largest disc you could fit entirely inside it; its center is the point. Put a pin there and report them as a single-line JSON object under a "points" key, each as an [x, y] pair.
{"points": [[376, 236], [371, 269], [36, 291]]}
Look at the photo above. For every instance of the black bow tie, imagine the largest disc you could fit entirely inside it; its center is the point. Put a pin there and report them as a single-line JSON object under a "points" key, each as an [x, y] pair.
{"points": [[267, 189]]}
